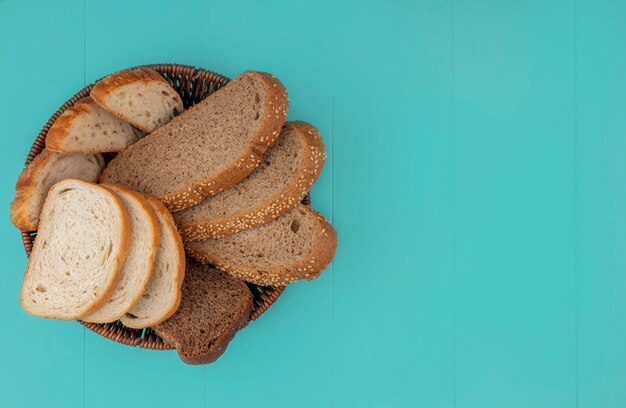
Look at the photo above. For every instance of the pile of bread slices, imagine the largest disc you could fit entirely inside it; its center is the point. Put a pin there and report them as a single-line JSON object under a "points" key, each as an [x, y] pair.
{"points": [[221, 182]]}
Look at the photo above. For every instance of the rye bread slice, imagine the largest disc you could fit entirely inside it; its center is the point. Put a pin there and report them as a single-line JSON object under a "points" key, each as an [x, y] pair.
{"points": [[298, 245], [286, 174], [140, 96], [210, 147], [42, 173], [161, 296], [87, 128], [137, 269], [81, 246], [214, 307]]}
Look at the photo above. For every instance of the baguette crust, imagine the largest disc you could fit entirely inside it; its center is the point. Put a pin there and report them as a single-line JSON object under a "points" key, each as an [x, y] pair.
{"points": [[60, 127], [26, 187], [276, 107], [309, 268], [110, 83], [166, 218], [114, 277], [283, 202]]}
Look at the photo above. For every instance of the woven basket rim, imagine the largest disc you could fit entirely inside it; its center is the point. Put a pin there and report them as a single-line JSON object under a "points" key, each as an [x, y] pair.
{"points": [[193, 84]]}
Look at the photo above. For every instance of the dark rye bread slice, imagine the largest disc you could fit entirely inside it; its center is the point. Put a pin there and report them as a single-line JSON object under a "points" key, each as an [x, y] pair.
{"points": [[214, 307], [286, 173], [298, 245], [210, 147]]}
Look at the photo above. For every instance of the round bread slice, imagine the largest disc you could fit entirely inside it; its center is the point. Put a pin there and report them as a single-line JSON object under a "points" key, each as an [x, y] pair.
{"points": [[286, 173], [81, 245], [137, 269], [87, 128], [45, 170], [210, 147], [161, 296], [140, 96], [214, 307], [298, 245]]}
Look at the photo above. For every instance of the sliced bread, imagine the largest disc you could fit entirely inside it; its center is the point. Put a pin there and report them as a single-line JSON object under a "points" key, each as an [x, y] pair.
{"points": [[161, 296], [140, 96], [45, 170], [286, 174], [82, 243], [137, 269], [298, 245], [213, 308], [87, 128], [210, 147]]}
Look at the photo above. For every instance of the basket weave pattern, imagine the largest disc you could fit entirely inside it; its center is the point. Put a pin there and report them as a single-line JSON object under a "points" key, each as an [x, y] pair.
{"points": [[193, 85]]}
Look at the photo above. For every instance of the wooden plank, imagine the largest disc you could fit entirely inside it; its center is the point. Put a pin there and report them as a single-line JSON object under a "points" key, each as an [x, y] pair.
{"points": [[121, 34], [392, 204], [601, 198], [41, 66], [514, 204], [284, 358]]}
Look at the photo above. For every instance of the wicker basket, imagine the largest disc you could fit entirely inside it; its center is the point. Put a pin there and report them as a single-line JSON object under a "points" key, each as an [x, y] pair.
{"points": [[193, 85]]}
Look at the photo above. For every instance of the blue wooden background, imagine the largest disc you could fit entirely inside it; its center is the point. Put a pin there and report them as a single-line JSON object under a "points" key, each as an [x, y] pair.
{"points": [[476, 177]]}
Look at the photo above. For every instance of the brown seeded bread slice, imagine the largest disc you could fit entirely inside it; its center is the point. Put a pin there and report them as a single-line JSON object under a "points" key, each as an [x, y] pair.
{"points": [[45, 170], [87, 128], [140, 96], [287, 172], [81, 246], [161, 296], [210, 147], [137, 269], [298, 245], [214, 307]]}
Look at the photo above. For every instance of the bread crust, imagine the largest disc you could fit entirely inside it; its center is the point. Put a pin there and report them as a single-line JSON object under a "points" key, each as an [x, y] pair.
{"points": [[110, 83], [55, 139], [114, 278], [221, 343], [162, 212], [321, 254], [152, 218], [276, 107], [278, 205], [26, 187]]}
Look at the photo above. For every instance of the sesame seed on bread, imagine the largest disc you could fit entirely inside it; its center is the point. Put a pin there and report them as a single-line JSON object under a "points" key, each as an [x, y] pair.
{"points": [[298, 245], [286, 174], [210, 147]]}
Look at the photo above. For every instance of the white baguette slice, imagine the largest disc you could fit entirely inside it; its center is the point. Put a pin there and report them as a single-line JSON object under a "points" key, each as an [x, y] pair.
{"points": [[161, 297], [139, 265], [81, 245], [87, 128], [46, 169], [140, 96]]}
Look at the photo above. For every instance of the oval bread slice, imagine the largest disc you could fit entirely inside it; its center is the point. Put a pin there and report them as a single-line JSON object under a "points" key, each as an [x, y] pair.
{"points": [[140, 96], [210, 147], [161, 296], [87, 128], [286, 174], [298, 245], [81, 245], [137, 269], [46, 169]]}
